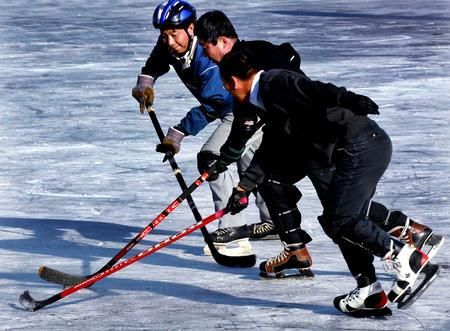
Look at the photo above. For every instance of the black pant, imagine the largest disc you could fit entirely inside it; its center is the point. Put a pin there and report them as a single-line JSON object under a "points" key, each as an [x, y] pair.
{"points": [[345, 190]]}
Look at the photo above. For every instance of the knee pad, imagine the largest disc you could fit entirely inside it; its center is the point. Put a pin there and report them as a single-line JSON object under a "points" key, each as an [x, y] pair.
{"points": [[279, 197], [288, 225]]}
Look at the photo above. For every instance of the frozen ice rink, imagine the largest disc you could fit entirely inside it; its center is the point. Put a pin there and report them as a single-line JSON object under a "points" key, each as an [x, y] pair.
{"points": [[79, 175]]}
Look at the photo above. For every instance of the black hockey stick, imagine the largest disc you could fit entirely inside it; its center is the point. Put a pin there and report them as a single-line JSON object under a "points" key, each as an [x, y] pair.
{"points": [[243, 261], [31, 304], [58, 277]]}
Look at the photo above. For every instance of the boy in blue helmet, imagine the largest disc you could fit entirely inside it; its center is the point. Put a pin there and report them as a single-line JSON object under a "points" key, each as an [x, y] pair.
{"points": [[178, 47]]}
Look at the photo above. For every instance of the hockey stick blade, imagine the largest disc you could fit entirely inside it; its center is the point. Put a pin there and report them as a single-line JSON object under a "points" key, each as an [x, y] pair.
{"points": [[243, 261], [58, 277], [28, 302]]}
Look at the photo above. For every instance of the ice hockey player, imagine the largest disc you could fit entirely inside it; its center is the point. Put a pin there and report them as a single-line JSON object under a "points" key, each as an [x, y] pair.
{"points": [[218, 37], [178, 47], [300, 112]]}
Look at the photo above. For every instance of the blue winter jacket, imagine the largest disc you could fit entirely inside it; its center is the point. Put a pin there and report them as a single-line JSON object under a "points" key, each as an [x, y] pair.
{"points": [[201, 76]]}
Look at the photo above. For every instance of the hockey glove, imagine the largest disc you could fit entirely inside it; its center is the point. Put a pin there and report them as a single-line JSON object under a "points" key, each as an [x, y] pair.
{"points": [[143, 92], [206, 160], [238, 201], [358, 104], [171, 143]]}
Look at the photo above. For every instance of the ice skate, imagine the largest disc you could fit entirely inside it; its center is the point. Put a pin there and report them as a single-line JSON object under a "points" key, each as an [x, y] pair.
{"points": [[293, 257], [410, 264], [263, 231], [367, 300], [231, 241], [418, 235]]}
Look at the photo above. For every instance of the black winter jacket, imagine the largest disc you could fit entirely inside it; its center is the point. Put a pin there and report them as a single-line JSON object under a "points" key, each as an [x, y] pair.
{"points": [[302, 113]]}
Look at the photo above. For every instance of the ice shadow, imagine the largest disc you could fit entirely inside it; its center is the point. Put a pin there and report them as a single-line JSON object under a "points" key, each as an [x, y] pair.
{"points": [[48, 237], [182, 291]]}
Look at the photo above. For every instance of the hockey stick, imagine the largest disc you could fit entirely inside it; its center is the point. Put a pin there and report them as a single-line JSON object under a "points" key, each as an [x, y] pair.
{"points": [[58, 277], [32, 305], [225, 260]]}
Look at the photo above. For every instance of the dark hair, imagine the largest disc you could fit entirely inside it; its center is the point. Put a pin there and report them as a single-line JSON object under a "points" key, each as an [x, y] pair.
{"points": [[239, 62], [212, 25]]}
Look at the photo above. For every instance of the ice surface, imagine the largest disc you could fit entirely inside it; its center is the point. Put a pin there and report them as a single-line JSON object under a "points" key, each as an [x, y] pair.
{"points": [[79, 176]]}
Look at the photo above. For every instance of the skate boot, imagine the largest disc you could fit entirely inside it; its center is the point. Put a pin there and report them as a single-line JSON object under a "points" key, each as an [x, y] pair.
{"points": [[263, 231], [418, 235], [232, 241], [368, 299], [409, 263], [293, 256]]}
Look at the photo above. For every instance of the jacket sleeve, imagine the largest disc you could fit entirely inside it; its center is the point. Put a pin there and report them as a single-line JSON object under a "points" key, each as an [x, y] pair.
{"points": [[215, 102], [316, 92], [157, 63]]}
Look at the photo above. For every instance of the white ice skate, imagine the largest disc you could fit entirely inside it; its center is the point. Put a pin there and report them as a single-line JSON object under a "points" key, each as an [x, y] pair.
{"points": [[367, 300], [409, 264]]}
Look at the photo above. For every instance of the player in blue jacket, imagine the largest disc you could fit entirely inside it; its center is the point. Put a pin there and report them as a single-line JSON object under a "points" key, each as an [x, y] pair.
{"points": [[178, 47]]}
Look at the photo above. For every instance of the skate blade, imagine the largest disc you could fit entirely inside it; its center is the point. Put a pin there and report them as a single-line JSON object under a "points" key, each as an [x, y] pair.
{"points": [[290, 273], [366, 313], [243, 248], [269, 237], [433, 245], [430, 272]]}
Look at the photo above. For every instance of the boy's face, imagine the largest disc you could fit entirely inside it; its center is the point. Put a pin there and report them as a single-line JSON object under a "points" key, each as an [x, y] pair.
{"points": [[214, 52], [238, 88], [177, 40]]}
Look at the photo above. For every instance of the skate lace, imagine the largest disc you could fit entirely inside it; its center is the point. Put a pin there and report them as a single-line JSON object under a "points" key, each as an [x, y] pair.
{"points": [[263, 228], [352, 295], [279, 258], [390, 265], [221, 232]]}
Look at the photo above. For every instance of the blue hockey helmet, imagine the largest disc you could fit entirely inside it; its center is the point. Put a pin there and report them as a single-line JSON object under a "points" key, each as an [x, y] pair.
{"points": [[175, 14]]}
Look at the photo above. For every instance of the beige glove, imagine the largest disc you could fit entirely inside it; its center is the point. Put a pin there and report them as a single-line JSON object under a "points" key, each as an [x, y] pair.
{"points": [[143, 92], [171, 142]]}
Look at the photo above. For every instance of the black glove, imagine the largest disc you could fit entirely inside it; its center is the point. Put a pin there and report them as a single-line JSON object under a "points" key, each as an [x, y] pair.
{"points": [[206, 160], [238, 201], [358, 104]]}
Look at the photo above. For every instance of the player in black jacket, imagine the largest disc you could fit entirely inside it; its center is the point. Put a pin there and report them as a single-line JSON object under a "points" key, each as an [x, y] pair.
{"points": [[313, 115], [218, 37]]}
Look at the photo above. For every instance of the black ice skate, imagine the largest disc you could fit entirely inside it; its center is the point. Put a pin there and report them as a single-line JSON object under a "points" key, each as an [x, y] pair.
{"points": [[418, 235], [410, 265], [293, 256], [231, 241], [263, 231], [367, 300]]}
